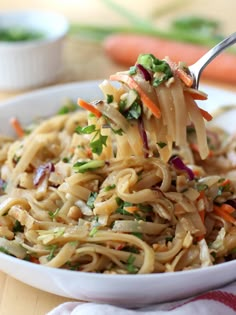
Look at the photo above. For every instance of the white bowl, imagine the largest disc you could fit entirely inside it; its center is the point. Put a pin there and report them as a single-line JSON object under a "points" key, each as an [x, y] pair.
{"points": [[126, 290], [27, 64]]}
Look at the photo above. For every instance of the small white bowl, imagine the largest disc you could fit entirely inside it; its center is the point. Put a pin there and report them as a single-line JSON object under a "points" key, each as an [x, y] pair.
{"points": [[32, 63]]}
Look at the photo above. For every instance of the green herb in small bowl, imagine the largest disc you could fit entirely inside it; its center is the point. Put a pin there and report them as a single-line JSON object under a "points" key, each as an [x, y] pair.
{"points": [[19, 34]]}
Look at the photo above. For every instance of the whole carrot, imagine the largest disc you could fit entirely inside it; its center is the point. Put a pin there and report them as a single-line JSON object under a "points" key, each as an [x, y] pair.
{"points": [[125, 48]]}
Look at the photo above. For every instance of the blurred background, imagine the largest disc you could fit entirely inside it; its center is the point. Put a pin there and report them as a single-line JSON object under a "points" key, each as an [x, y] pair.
{"points": [[84, 56]]}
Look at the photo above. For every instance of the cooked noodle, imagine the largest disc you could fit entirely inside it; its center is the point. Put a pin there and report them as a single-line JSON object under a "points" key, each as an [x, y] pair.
{"points": [[124, 192]]}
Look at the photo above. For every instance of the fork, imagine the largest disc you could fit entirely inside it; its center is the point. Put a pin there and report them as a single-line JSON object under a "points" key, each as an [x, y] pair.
{"points": [[197, 68]]}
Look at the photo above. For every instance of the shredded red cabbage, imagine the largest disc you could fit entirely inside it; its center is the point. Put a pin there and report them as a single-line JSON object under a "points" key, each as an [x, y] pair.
{"points": [[42, 171], [2, 185], [143, 135], [179, 164], [146, 75]]}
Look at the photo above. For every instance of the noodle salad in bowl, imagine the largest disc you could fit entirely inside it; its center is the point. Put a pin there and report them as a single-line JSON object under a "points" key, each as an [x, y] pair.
{"points": [[133, 184]]}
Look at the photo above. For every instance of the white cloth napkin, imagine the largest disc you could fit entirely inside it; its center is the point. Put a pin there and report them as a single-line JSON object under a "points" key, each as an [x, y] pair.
{"points": [[216, 302]]}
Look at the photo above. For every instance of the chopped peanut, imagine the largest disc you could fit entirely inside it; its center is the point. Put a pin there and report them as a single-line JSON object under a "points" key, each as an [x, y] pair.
{"points": [[74, 213]]}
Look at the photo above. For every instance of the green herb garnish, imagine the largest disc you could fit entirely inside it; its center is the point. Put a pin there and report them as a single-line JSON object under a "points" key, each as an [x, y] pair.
{"points": [[84, 166], [109, 98], [68, 107], [54, 214], [91, 199], [93, 231], [202, 187], [138, 234], [18, 227], [161, 144], [95, 145], [52, 249], [130, 264], [109, 187], [4, 250], [132, 70]]}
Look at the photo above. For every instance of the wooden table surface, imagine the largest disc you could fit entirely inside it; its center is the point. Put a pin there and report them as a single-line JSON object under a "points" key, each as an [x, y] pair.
{"points": [[16, 297]]}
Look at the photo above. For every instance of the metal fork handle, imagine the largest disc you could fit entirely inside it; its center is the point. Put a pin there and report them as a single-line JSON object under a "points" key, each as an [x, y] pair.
{"points": [[197, 68]]}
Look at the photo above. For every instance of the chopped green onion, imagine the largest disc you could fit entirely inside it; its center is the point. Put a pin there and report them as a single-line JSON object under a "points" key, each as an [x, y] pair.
{"points": [[93, 231], [91, 199], [84, 166]]}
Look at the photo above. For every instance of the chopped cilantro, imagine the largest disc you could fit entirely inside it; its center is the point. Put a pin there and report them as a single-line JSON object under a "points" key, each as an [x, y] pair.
{"points": [[117, 131], [110, 98], [72, 265], [85, 130], [96, 145], [18, 227], [161, 144], [122, 105], [16, 158], [66, 160], [69, 107], [134, 111], [131, 249], [145, 208], [169, 238]]}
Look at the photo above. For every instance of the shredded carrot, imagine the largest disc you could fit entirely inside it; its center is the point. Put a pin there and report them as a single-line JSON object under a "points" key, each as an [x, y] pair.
{"points": [[223, 214], [134, 85], [186, 78], [225, 182], [89, 107], [196, 94], [196, 173], [227, 208], [202, 215], [201, 195], [120, 246], [17, 127], [34, 260], [131, 209], [89, 152], [205, 114], [194, 147]]}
